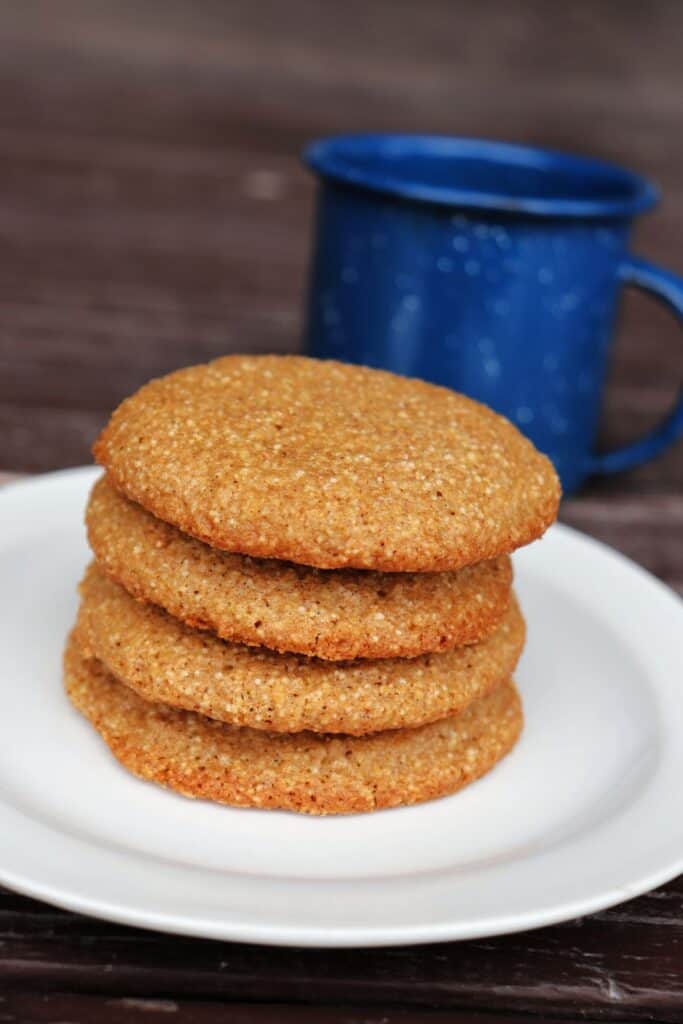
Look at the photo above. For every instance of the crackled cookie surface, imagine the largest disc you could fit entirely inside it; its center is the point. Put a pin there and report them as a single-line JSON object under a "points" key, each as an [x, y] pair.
{"points": [[313, 774], [328, 465], [166, 661], [334, 614]]}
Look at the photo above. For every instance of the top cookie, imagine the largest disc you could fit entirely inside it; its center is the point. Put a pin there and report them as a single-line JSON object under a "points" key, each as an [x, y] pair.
{"points": [[328, 465]]}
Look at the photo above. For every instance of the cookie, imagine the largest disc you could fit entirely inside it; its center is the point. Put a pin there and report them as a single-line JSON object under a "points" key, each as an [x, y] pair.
{"points": [[330, 613], [166, 661], [309, 773], [328, 465]]}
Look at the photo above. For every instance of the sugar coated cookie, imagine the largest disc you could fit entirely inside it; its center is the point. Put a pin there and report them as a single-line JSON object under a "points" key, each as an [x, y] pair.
{"points": [[314, 774], [330, 613], [166, 661], [328, 465]]}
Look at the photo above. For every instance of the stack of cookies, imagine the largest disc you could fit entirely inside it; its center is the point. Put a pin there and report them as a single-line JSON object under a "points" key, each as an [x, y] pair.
{"points": [[301, 594]]}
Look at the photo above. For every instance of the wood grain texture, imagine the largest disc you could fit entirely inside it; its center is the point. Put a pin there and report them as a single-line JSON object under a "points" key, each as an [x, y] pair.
{"points": [[623, 964], [60, 1008], [153, 213]]}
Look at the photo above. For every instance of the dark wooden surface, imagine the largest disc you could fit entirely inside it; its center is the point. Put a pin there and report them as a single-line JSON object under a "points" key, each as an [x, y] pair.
{"points": [[153, 213], [621, 965]]}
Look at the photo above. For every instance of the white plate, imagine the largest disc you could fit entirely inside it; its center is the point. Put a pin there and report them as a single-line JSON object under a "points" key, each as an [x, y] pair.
{"points": [[584, 813]]}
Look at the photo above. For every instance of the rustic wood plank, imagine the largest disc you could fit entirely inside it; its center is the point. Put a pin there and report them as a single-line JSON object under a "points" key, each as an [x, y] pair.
{"points": [[623, 964], [176, 227], [58, 1008], [647, 528]]}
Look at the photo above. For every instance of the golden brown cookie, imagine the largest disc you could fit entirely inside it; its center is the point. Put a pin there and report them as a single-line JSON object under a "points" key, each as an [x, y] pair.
{"points": [[330, 613], [329, 465], [166, 661], [312, 774]]}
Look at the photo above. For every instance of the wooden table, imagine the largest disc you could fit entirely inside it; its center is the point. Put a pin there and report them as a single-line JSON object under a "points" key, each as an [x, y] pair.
{"points": [[152, 213]]}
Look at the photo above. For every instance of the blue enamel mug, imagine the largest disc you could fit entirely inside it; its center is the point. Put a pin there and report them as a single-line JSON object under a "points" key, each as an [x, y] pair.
{"points": [[494, 269]]}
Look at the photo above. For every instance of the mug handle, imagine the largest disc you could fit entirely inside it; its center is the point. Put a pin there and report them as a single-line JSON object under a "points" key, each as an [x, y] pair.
{"points": [[669, 288]]}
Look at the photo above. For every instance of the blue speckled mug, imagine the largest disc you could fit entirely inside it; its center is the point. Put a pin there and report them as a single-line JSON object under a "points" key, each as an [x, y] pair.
{"points": [[492, 268]]}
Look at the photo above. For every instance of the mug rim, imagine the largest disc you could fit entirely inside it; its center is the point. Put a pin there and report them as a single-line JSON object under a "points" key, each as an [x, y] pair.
{"points": [[332, 157]]}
